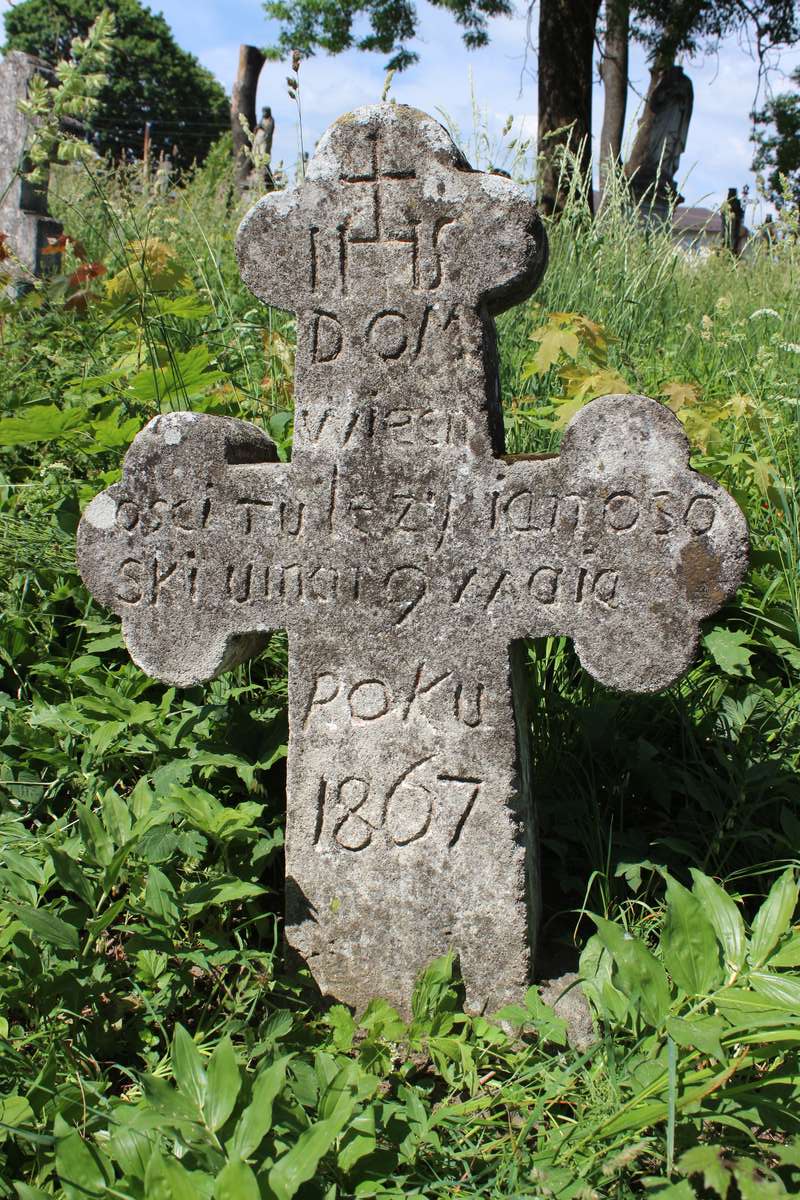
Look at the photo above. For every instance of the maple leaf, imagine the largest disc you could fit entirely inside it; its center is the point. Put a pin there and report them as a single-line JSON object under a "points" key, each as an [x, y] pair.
{"points": [[680, 395], [739, 404], [552, 344]]}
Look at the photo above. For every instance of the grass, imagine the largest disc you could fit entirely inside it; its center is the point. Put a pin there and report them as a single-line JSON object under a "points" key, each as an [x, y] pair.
{"points": [[166, 1049]]}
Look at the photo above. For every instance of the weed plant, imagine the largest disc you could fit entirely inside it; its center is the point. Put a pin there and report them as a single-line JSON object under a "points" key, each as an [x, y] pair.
{"points": [[153, 1043]]}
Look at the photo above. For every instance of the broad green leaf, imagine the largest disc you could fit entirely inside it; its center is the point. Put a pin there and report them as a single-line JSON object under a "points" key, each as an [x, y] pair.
{"points": [[48, 927], [773, 918], [783, 990], [359, 1140], [221, 891], [596, 966], [81, 1167], [638, 974], [131, 1149], [755, 1183], [71, 877], [711, 1163], [166, 1179], [788, 954], [224, 1082], [236, 1182], [301, 1162], [187, 1066], [160, 896], [724, 915], [701, 1033], [14, 1110], [433, 991], [256, 1120], [340, 1092], [168, 1102], [675, 1191], [689, 946], [728, 648], [41, 423], [95, 836], [343, 1026]]}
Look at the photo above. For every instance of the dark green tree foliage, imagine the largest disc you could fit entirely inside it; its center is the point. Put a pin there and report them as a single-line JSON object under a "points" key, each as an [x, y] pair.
{"points": [[777, 139], [671, 27], [307, 25], [150, 77]]}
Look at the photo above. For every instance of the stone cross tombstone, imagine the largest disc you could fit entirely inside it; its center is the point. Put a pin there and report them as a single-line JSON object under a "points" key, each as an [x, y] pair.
{"points": [[407, 555], [23, 205]]}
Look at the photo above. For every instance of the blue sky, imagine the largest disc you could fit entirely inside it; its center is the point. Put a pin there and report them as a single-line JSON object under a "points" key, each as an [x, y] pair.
{"points": [[717, 156]]}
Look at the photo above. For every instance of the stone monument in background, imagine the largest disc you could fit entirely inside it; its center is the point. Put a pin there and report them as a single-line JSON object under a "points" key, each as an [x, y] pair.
{"points": [[23, 205], [652, 167], [407, 556]]}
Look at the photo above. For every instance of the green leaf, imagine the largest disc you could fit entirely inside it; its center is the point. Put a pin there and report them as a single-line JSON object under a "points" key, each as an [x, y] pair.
{"points": [[95, 836], [187, 1066], [711, 1163], [166, 1179], [727, 648], [81, 1168], [724, 915], [41, 423], [340, 1092], [783, 990], [787, 955], [689, 946], [300, 1164], [160, 896], [701, 1034], [433, 991], [170, 1104], [359, 1140], [71, 877], [773, 918], [343, 1026], [256, 1120], [224, 1082], [236, 1182], [51, 929], [639, 975]]}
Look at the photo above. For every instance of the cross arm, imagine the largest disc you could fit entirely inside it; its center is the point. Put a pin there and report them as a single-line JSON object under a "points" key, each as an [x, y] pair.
{"points": [[181, 548], [618, 543]]}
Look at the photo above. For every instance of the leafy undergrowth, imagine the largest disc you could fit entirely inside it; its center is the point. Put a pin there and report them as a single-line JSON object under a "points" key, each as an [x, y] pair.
{"points": [[153, 1041]]}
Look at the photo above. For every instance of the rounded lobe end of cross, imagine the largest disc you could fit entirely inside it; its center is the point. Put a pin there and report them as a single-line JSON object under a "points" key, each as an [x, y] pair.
{"points": [[142, 542], [179, 654], [677, 542]]}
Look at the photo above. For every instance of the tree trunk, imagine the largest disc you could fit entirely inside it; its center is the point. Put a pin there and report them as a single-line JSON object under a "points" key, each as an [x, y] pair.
{"points": [[614, 73], [243, 102], [566, 45]]}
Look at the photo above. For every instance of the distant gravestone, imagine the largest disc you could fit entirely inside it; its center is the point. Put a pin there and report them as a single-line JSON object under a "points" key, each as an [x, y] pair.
{"points": [[23, 205], [404, 553]]}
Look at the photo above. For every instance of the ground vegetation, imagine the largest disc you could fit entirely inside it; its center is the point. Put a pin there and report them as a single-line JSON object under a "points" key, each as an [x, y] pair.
{"points": [[153, 1041]]}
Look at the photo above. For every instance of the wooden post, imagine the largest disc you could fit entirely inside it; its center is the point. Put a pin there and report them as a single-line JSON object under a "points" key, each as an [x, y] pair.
{"points": [[243, 101]]}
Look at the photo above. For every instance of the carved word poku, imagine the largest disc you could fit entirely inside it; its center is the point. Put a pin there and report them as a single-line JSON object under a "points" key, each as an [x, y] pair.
{"points": [[407, 555]]}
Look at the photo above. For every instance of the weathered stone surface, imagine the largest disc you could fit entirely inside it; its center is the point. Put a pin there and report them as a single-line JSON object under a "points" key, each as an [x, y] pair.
{"points": [[23, 206], [405, 554]]}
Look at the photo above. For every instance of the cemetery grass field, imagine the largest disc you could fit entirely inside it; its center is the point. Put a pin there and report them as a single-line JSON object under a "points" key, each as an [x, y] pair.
{"points": [[153, 1042]]}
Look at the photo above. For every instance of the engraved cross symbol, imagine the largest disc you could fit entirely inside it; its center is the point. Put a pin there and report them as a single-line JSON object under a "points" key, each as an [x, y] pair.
{"points": [[404, 552]]}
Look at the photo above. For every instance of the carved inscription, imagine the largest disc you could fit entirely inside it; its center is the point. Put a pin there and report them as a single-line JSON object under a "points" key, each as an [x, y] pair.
{"points": [[423, 801], [389, 334], [433, 694]]}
